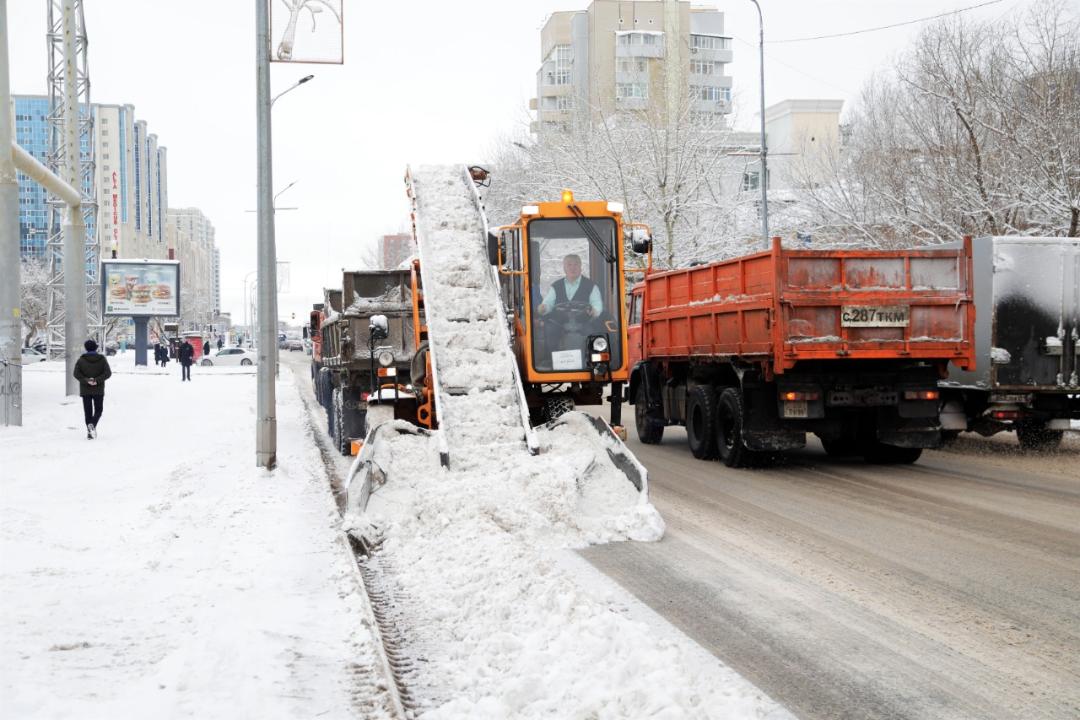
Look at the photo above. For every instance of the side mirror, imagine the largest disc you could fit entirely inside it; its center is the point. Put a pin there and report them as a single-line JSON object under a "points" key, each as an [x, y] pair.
{"points": [[493, 248], [379, 327], [640, 240]]}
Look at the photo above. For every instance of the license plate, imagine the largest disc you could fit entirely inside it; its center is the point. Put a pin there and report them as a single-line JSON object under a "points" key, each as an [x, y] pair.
{"points": [[795, 409], [874, 315]]}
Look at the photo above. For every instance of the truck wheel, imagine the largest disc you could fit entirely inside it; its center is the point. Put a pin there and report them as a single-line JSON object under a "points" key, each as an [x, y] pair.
{"points": [[701, 422], [729, 422], [555, 407], [650, 430], [882, 454], [1035, 436]]}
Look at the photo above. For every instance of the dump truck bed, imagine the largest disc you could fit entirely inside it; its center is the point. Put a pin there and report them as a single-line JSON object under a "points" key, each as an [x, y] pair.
{"points": [[785, 306], [366, 293]]}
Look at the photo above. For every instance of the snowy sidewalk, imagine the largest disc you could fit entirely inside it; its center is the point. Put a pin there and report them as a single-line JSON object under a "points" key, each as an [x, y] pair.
{"points": [[155, 572]]}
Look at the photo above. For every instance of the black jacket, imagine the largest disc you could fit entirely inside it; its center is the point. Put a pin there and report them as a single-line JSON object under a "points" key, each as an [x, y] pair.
{"points": [[187, 353], [92, 365]]}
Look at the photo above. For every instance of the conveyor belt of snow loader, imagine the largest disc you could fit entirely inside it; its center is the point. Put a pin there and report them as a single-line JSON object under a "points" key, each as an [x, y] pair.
{"points": [[480, 400]]}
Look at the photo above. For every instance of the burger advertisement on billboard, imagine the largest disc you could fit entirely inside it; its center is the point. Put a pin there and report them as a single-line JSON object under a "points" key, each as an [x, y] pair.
{"points": [[141, 287]]}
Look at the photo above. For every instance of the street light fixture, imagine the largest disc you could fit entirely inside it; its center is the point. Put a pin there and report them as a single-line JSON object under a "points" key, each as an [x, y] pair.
{"points": [[763, 179], [292, 87]]}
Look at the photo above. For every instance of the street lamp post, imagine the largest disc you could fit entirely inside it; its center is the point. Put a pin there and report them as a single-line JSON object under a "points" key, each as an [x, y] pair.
{"points": [[266, 414], [763, 180], [292, 87]]}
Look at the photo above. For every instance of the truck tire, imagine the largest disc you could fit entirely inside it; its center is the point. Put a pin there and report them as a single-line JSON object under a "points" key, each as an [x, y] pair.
{"points": [[729, 422], [882, 454], [650, 430], [701, 422], [1035, 436], [329, 419], [555, 407]]}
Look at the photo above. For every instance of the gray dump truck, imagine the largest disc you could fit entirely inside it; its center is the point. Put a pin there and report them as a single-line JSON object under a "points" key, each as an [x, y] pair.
{"points": [[1027, 339], [350, 364]]}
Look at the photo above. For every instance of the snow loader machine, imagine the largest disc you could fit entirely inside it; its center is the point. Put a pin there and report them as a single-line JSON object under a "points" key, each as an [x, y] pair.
{"points": [[513, 329]]}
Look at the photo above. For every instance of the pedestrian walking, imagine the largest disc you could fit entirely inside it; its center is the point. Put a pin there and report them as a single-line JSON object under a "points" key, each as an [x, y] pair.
{"points": [[186, 355], [92, 370], [220, 342]]}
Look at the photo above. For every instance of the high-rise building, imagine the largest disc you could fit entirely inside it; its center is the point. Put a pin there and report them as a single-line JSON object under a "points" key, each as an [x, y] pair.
{"points": [[396, 249], [32, 132], [190, 235], [661, 56]]}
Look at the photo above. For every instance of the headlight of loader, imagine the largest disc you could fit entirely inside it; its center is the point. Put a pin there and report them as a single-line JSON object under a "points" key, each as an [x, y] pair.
{"points": [[386, 358], [599, 344]]}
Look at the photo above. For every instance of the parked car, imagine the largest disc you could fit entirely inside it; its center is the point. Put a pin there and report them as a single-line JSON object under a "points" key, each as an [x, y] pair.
{"points": [[30, 355], [231, 356], [294, 344]]}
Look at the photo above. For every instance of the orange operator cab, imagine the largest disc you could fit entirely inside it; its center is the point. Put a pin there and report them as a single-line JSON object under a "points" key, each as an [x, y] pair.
{"points": [[561, 276]]}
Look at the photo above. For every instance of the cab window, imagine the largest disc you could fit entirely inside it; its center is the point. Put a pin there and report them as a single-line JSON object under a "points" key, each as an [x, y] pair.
{"points": [[574, 291]]}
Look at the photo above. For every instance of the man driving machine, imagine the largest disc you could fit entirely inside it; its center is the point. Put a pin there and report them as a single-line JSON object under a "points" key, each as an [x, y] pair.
{"points": [[574, 288]]}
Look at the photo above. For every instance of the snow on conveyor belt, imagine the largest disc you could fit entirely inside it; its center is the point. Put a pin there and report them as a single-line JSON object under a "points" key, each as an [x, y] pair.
{"points": [[478, 401]]}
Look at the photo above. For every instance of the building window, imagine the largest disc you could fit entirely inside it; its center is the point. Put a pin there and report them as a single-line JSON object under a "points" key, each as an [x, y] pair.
{"points": [[637, 38], [710, 42], [631, 65], [558, 65], [710, 93], [706, 67], [632, 90], [751, 179]]}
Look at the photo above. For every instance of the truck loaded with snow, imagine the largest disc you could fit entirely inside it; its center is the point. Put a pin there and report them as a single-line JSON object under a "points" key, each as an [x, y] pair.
{"points": [[350, 358], [1027, 342], [752, 353]]}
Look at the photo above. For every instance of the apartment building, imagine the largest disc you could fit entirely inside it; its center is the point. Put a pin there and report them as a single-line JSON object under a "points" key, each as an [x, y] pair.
{"points": [[668, 57], [189, 236]]}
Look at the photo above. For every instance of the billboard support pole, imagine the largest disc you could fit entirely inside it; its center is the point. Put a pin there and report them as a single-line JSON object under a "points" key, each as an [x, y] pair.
{"points": [[141, 339]]}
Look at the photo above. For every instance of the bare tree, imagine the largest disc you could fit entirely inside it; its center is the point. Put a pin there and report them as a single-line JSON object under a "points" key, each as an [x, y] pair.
{"points": [[34, 300], [679, 172], [976, 130]]}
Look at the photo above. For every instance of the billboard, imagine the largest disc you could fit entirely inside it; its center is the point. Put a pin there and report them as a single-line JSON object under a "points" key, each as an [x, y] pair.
{"points": [[142, 288]]}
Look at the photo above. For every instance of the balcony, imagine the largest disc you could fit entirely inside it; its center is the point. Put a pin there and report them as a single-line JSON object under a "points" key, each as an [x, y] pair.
{"points": [[637, 43]]}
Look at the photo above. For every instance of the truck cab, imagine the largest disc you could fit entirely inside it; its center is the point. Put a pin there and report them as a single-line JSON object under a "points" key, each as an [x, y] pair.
{"points": [[560, 269]]}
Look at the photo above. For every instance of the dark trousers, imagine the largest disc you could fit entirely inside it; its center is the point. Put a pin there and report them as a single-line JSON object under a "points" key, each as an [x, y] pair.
{"points": [[186, 373], [91, 405]]}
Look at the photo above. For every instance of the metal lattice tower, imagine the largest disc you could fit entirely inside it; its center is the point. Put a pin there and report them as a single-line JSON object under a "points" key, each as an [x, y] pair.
{"points": [[59, 11]]}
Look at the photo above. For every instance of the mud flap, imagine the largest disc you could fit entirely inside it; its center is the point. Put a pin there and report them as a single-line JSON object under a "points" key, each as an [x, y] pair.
{"points": [[912, 438], [617, 452]]}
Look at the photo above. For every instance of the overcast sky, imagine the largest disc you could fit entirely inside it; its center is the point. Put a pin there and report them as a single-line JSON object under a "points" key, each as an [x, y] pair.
{"points": [[423, 82]]}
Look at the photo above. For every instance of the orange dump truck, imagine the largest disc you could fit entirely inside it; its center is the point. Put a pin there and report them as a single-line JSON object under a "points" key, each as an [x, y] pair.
{"points": [[752, 353]]}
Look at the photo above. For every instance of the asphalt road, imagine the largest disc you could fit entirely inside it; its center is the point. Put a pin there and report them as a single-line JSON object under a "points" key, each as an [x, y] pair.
{"points": [[946, 589]]}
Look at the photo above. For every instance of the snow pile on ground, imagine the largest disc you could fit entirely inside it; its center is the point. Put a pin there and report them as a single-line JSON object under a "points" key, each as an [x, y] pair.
{"points": [[156, 572], [496, 624]]}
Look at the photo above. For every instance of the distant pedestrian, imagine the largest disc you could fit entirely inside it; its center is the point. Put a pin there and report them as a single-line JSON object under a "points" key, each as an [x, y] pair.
{"points": [[187, 356], [92, 370], [220, 342]]}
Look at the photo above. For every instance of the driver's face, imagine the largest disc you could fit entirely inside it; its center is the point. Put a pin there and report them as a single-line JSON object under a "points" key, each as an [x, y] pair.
{"points": [[572, 269]]}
